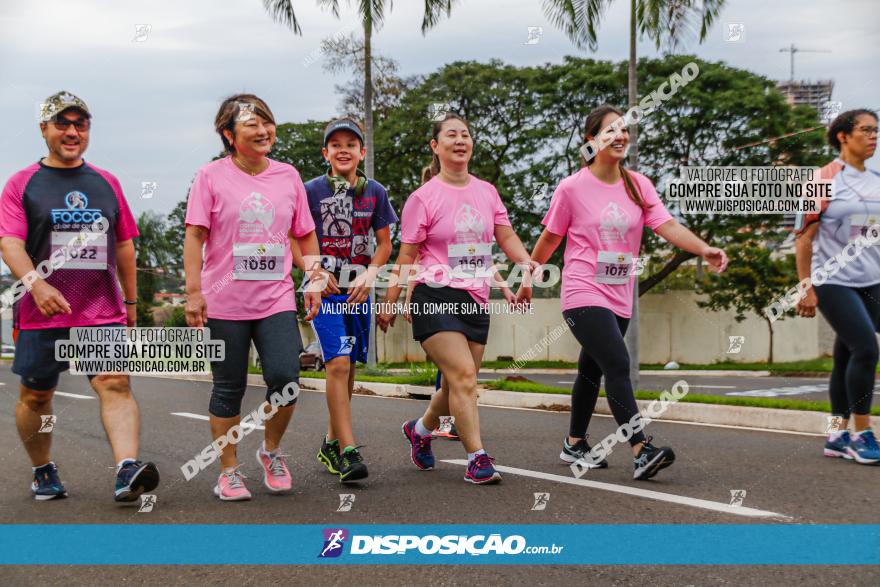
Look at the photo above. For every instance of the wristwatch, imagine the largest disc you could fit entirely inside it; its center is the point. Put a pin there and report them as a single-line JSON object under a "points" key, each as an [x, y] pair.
{"points": [[130, 302]]}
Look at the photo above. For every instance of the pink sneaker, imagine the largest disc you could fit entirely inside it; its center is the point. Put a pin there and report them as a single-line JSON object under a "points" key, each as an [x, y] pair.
{"points": [[230, 486], [276, 477]]}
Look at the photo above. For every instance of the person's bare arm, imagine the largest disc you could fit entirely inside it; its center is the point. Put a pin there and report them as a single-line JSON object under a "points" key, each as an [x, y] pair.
{"points": [[196, 308], [806, 306], [311, 254], [677, 235], [49, 300], [126, 270], [360, 289]]}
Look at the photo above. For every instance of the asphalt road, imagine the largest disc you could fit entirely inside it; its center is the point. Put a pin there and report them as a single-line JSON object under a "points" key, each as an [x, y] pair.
{"points": [[782, 474], [800, 388]]}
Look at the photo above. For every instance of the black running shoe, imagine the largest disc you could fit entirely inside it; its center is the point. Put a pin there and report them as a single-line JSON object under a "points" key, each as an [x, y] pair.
{"points": [[580, 451], [352, 467], [133, 479], [328, 455], [651, 459]]}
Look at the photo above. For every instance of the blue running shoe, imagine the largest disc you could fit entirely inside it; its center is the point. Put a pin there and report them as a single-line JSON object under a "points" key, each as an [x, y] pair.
{"points": [[482, 471], [863, 448], [420, 447], [135, 478], [838, 448], [47, 484]]}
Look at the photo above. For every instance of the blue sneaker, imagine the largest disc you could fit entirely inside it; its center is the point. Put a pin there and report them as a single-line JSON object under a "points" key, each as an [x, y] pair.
{"points": [[135, 478], [482, 471], [838, 448], [864, 449], [420, 447], [47, 484]]}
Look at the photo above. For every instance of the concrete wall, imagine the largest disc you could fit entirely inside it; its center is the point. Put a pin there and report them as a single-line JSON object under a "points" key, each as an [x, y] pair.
{"points": [[673, 327]]}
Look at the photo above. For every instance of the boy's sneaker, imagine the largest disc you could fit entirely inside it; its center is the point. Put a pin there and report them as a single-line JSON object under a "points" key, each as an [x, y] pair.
{"points": [[580, 451], [276, 476], [446, 429], [352, 467], [230, 486], [47, 484], [328, 455], [837, 447], [651, 459], [482, 471], [135, 478], [863, 448], [420, 447]]}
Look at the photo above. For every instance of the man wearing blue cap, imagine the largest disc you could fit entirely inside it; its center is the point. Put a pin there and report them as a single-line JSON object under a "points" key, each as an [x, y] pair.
{"points": [[346, 205]]}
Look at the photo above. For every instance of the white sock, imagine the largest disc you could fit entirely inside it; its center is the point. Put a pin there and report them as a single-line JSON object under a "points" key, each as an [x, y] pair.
{"points": [[266, 452], [835, 436], [473, 455], [122, 462], [420, 428]]}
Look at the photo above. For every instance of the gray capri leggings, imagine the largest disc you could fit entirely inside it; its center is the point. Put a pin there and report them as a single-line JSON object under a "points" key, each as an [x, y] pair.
{"points": [[278, 342]]}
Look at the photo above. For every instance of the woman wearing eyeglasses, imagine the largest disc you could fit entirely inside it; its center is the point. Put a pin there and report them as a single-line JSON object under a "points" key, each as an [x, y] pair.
{"points": [[849, 294]]}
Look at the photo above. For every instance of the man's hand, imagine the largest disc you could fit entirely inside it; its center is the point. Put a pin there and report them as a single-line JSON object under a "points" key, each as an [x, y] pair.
{"points": [[49, 300], [196, 310], [360, 287]]}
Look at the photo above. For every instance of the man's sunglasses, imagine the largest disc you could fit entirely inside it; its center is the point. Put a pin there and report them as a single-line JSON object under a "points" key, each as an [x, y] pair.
{"points": [[81, 124]]}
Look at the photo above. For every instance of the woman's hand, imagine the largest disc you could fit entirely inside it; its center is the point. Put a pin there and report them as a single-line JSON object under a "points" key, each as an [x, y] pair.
{"points": [[806, 306], [196, 310], [716, 258], [384, 319]]}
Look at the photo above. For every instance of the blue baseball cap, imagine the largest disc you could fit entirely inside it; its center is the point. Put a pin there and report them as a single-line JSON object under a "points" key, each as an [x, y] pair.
{"points": [[343, 124]]}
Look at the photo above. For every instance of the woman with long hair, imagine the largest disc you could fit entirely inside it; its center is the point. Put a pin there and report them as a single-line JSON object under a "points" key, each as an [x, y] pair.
{"points": [[602, 210], [449, 224]]}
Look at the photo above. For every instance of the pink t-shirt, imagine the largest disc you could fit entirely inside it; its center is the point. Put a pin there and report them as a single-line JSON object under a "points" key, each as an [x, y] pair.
{"points": [[454, 228], [604, 230], [246, 271]]}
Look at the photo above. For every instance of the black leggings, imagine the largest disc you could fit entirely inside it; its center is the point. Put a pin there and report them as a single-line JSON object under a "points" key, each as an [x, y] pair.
{"points": [[852, 312], [603, 352]]}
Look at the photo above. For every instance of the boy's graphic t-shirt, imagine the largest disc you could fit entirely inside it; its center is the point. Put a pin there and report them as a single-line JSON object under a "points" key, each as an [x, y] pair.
{"points": [[343, 221], [246, 270]]}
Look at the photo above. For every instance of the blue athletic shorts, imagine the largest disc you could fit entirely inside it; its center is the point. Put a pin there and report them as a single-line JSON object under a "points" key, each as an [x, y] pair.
{"points": [[343, 329]]}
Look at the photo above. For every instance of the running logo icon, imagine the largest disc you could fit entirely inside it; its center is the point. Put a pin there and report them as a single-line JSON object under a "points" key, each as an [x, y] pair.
{"points": [[737, 496], [148, 502], [346, 345], [47, 424], [346, 501], [334, 542], [541, 501]]}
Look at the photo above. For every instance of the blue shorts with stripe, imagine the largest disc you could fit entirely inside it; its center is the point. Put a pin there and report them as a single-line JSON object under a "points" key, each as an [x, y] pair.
{"points": [[343, 329]]}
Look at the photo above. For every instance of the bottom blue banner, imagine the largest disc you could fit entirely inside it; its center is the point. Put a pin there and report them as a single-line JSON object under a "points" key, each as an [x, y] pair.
{"points": [[386, 544]]}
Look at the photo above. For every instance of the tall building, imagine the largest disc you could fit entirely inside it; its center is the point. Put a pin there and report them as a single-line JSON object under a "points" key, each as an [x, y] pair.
{"points": [[813, 94]]}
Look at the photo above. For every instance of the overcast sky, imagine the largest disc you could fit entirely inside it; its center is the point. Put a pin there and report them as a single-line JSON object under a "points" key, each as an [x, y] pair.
{"points": [[154, 98]]}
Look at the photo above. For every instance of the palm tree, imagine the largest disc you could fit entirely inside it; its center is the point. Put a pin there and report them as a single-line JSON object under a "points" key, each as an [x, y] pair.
{"points": [[664, 22], [373, 15]]}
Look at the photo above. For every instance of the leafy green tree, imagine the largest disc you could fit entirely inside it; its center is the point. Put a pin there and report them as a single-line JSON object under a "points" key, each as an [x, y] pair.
{"points": [[152, 253], [753, 280]]}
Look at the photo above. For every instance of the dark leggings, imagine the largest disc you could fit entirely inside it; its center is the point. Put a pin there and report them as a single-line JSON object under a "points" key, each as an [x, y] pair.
{"points": [[852, 312], [278, 343], [603, 352]]}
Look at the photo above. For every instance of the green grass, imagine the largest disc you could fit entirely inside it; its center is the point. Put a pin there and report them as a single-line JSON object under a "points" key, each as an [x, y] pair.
{"points": [[752, 402]]}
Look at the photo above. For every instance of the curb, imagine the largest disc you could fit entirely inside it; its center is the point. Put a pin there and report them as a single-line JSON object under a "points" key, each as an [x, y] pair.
{"points": [[798, 421], [670, 372]]}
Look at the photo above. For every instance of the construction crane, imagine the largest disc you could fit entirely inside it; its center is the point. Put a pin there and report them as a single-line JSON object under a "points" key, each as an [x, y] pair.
{"points": [[792, 49]]}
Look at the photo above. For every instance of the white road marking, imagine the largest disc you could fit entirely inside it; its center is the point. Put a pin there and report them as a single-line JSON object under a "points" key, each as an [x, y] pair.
{"points": [[566, 382], [74, 395], [201, 417], [699, 385], [646, 493]]}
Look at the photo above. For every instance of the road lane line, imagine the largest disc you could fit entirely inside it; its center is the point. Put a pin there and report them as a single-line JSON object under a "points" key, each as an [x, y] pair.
{"points": [[201, 417], [646, 493], [73, 395], [698, 385]]}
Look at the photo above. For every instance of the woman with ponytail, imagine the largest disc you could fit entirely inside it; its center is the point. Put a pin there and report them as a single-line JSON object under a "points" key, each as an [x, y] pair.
{"points": [[602, 209], [449, 224]]}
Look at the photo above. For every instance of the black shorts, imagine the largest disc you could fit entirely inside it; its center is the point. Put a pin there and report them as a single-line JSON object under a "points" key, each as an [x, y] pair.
{"points": [[466, 316], [34, 359]]}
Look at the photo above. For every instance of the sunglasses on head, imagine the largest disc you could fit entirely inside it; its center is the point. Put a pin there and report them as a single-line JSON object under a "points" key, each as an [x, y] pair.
{"points": [[81, 124]]}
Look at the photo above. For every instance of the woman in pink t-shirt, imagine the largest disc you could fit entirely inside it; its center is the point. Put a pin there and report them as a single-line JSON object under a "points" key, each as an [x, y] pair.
{"points": [[449, 224], [602, 209], [245, 209]]}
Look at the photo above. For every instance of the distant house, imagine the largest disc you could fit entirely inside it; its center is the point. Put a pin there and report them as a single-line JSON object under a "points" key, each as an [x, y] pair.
{"points": [[169, 298]]}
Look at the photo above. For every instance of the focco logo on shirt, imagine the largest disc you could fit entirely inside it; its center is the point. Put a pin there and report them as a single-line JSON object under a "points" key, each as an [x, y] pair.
{"points": [[77, 210]]}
